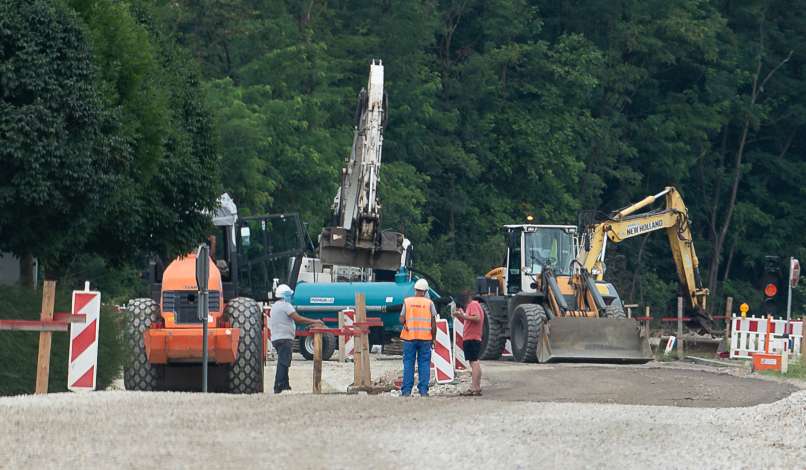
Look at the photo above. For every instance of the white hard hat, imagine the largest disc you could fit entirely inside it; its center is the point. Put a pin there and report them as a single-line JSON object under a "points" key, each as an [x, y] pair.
{"points": [[421, 284], [283, 291]]}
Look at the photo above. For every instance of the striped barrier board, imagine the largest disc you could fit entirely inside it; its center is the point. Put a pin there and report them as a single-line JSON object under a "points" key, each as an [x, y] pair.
{"points": [[748, 336], [507, 352], [83, 355], [349, 341], [460, 363], [442, 357]]}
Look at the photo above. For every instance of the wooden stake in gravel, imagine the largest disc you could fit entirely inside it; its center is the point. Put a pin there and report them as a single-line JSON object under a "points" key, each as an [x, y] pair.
{"points": [[43, 359], [317, 363], [680, 328], [728, 316], [365, 378]]}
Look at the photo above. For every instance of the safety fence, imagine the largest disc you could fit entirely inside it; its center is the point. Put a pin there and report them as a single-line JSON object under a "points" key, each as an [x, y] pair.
{"points": [[749, 336]]}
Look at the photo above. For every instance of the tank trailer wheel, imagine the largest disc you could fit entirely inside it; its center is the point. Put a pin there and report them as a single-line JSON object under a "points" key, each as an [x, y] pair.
{"points": [[245, 375], [329, 343], [526, 332], [138, 373]]}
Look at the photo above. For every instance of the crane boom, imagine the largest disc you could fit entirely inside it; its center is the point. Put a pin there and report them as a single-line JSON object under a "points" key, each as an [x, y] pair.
{"points": [[673, 218], [355, 238]]}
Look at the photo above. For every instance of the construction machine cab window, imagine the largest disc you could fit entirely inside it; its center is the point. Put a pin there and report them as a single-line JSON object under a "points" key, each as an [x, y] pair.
{"points": [[548, 247]]}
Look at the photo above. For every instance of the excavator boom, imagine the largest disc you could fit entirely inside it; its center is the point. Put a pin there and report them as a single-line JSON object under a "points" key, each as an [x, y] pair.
{"points": [[673, 218], [355, 238]]}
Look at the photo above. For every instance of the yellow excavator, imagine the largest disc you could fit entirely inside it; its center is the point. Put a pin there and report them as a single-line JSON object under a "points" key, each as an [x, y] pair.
{"points": [[673, 218], [550, 298]]}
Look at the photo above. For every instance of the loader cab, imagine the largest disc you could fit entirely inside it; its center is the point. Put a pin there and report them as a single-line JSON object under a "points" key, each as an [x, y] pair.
{"points": [[532, 247]]}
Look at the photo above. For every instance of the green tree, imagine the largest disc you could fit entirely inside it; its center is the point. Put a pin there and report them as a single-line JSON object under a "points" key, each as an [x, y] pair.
{"points": [[61, 153]]}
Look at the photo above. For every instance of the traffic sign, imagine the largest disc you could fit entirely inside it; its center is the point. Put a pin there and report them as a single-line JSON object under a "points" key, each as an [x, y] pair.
{"points": [[794, 272]]}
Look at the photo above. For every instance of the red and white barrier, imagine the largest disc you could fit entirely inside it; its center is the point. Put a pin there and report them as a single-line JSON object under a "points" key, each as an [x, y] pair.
{"points": [[349, 341], [442, 357], [460, 363], [82, 367], [507, 349], [748, 336]]}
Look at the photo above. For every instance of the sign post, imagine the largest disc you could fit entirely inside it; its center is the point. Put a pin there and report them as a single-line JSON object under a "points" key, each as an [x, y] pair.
{"points": [[794, 277], [202, 275]]}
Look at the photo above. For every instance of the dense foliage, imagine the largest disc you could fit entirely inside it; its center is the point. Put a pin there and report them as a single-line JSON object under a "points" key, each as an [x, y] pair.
{"points": [[505, 108], [499, 109], [107, 146]]}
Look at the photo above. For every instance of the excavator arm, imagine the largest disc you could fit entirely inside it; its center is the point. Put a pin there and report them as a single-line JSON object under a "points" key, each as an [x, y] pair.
{"points": [[626, 223], [355, 238]]}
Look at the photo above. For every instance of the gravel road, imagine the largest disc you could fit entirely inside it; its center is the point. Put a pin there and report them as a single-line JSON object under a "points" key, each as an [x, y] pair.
{"points": [[299, 430]]}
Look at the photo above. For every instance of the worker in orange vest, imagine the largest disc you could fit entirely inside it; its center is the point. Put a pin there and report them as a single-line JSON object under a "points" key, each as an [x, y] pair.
{"points": [[418, 318]]}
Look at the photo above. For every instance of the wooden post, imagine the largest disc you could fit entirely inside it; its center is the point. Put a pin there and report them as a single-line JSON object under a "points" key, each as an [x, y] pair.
{"points": [[680, 328], [43, 359], [342, 339], [647, 323], [365, 380], [317, 363], [728, 315], [629, 308]]}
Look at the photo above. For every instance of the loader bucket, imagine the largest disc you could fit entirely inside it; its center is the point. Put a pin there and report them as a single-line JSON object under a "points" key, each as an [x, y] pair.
{"points": [[572, 339]]}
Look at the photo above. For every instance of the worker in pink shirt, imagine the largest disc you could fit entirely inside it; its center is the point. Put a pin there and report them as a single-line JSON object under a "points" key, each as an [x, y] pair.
{"points": [[473, 316]]}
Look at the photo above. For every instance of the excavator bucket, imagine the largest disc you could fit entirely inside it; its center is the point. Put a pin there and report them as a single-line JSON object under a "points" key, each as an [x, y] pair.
{"points": [[336, 248], [572, 339]]}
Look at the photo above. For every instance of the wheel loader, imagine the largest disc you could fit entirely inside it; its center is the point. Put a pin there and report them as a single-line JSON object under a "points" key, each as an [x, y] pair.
{"points": [[163, 332], [551, 308], [550, 297]]}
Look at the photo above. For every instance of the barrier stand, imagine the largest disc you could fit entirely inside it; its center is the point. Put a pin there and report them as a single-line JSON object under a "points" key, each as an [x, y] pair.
{"points": [[48, 323]]}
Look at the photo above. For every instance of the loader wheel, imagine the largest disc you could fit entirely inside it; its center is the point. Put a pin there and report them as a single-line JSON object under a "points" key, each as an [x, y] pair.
{"points": [[615, 310], [493, 338], [245, 375], [329, 343], [138, 373], [526, 331]]}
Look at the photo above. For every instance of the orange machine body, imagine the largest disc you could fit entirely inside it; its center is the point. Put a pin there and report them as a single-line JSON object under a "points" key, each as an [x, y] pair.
{"points": [[172, 340]]}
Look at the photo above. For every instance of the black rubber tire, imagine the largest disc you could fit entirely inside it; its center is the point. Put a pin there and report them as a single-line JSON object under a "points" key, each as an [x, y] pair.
{"points": [[329, 344], [615, 310], [245, 375], [138, 373], [493, 338], [526, 331]]}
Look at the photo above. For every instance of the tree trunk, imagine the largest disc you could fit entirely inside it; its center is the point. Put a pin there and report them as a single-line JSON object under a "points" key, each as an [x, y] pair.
{"points": [[27, 271]]}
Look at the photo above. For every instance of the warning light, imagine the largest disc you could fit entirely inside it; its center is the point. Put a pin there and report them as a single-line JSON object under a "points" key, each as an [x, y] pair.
{"points": [[530, 218], [770, 290]]}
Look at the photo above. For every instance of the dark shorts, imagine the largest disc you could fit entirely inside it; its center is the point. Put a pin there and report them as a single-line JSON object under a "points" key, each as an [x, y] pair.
{"points": [[472, 349]]}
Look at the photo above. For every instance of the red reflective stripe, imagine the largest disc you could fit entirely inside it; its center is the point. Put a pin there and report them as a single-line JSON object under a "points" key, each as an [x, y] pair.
{"points": [[85, 381], [83, 341]]}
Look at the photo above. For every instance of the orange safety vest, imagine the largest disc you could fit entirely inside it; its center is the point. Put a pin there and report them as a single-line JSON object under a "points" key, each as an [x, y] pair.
{"points": [[418, 319]]}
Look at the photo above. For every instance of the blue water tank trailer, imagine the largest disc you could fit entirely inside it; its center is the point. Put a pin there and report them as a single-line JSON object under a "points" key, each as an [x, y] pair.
{"points": [[384, 299]]}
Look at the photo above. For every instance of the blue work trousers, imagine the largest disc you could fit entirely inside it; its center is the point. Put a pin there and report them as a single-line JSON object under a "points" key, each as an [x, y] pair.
{"points": [[421, 350]]}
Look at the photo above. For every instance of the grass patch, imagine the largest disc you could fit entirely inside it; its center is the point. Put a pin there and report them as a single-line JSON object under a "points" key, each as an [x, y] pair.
{"points": [[19, 349], [796, 370]]}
